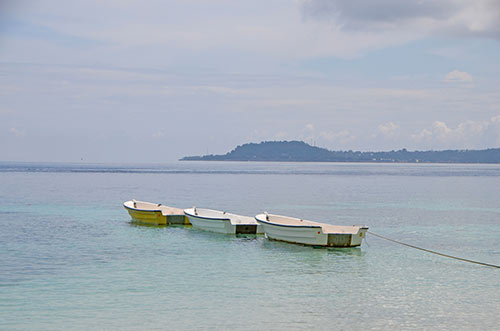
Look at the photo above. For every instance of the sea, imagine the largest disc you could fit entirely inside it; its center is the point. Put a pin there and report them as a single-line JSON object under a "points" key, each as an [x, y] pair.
{"points": [[71, 259]]}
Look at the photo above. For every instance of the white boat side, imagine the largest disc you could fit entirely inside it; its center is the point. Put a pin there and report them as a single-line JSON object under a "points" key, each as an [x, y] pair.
{"points": [[300, 231], [222, 222]]}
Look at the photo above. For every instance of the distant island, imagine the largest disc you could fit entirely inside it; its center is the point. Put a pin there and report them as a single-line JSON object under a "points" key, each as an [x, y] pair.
{"points": [[299, 151]]}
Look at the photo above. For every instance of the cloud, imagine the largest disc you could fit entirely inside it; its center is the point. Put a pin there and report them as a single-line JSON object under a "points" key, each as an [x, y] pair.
{"points": [[16, 132], [223, 33], [440, 132], [342, 137], [468, 134], [355, 14], [158, 134], [458, 77], [495, 120], [388, 130], [447, 17]]}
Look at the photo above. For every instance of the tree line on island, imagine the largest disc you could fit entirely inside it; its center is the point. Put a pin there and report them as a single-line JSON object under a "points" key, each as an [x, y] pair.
{"points": [[299, 151]]}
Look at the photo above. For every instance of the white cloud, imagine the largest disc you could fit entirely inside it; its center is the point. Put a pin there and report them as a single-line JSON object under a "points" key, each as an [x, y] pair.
{"points": [[441, 130], [471, 129], [310, 127], [495, 120], [424, 135], [174, 32], [468, 134], [439, 133], [158, 134], [16, 132], [343, 136], [458, 77], [389, 130]]}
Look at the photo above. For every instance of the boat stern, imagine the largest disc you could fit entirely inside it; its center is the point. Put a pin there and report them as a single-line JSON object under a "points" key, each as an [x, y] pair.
{"points": [[348, 239]]}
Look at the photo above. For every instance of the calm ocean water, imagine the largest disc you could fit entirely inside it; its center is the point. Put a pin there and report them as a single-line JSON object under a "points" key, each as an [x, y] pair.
{"points": [[71, 259]]}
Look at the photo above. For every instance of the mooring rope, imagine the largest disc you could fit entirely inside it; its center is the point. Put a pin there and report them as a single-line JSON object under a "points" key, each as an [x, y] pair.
{"points": [[434, 252]]}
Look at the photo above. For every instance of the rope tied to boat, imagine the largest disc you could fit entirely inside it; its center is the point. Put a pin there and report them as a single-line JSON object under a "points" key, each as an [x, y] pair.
{"points": [[434, 252]]}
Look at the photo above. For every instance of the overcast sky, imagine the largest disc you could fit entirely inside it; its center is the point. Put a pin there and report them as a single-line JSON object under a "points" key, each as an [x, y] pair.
{"points": [[152, 81]]}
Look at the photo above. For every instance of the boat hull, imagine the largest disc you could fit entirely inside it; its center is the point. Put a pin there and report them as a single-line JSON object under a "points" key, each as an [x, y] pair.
{"points": [[146, 214], [297, 235], [147, 217], [311, 234], [221, 222], [212, 225], [345, 240]]}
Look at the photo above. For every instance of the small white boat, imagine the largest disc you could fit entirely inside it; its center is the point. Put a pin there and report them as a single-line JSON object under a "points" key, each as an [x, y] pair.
{"points": [[299, 231], [222, 222], [154, 213]]}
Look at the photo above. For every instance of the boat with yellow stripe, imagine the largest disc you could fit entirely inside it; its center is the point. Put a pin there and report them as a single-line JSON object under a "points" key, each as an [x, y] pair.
{"points": [[155, 213]]}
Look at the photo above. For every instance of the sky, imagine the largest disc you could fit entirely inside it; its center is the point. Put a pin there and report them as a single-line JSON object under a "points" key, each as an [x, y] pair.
{"points": [[153, 81]]}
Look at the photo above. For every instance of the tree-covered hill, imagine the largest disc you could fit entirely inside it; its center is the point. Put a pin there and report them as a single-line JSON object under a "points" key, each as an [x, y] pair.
{"points": [[299, 151]]}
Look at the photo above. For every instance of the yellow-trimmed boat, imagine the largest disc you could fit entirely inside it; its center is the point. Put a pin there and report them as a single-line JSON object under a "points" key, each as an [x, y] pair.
{"points": [[155, 213]]}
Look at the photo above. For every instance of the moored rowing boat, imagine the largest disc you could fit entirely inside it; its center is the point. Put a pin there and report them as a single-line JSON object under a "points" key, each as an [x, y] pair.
{"points": [[153, 213], [300, 231], [222, 222]]}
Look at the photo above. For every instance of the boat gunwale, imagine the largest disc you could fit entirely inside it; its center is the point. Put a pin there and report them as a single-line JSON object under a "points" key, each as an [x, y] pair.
{"points": [[287, 225], [138, 209], [205, 217], [153, 210], [361, 227]]}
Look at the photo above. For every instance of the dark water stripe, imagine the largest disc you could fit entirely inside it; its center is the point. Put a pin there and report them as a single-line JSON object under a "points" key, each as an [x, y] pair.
{"points": [[398, 173]]}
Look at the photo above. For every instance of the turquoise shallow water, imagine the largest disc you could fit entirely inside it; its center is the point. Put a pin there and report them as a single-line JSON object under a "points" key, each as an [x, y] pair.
{"points": [[71, 259]]}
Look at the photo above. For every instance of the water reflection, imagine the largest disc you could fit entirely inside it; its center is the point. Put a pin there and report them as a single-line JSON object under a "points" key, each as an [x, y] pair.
{"points": [[133, 223]]}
